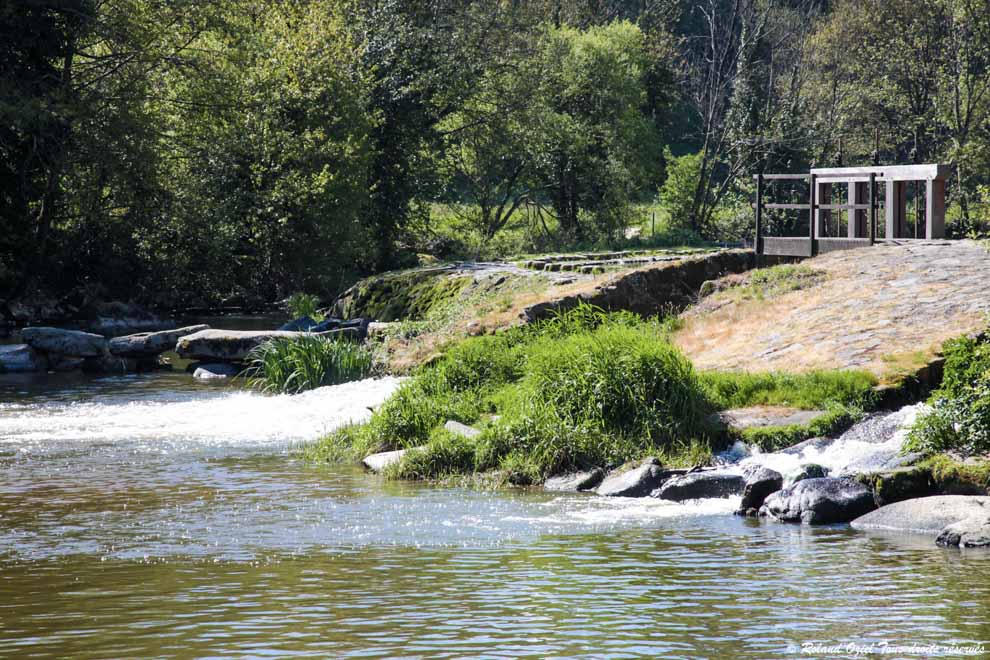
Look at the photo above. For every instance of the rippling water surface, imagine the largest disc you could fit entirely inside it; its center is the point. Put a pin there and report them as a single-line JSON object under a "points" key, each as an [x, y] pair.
{"points": [[147, 516]]}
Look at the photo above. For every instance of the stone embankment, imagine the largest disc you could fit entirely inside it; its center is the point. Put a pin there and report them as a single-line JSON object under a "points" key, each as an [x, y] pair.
{"points": [[886, 309]]}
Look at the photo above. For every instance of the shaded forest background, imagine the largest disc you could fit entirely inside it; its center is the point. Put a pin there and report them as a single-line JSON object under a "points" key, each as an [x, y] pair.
{"points": [[186, 153]]}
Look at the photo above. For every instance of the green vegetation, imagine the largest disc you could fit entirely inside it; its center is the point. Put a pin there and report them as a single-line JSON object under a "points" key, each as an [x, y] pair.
{"points": [[304, 304], [582, 389], [960, 417], [292, 365], [808, 391], [767, 283], [232, 152], [950, 474]]}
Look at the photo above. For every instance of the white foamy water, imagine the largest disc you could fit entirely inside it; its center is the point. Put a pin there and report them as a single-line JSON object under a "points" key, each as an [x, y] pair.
{"points": [[210, 418], [873, 444], [603, 511]]}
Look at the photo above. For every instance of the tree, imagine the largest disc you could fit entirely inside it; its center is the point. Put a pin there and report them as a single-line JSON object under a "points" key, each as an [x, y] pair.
{"points": [[594, 146]]}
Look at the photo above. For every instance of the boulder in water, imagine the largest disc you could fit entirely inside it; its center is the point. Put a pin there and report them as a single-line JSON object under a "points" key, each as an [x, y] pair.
{"points": [[380, 461], [819, 501], [905, 483], [969, 533], [698, 485], [150, 344], [638, 482], [924, 515], [327, 324], [20, 358], [301, 324], [65, 342], [811, 471], [216, 371], [575, 481], [760, 484]]}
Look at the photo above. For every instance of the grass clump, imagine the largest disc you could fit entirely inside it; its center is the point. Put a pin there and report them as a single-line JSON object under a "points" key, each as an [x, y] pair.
{"points": [[959, 420], [809, 391], [765, 283], [290, 365], [582, 389]]}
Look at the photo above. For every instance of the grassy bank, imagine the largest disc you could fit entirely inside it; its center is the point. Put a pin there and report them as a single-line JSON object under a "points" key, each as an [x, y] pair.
{"points": [[582, 389]]}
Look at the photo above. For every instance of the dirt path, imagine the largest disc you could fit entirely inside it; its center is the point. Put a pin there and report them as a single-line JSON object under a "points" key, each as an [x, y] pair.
{"points": [[879, 309]]}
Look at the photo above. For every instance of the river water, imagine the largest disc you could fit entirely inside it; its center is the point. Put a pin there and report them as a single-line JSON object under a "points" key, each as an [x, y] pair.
{"points": [[148, 516]]}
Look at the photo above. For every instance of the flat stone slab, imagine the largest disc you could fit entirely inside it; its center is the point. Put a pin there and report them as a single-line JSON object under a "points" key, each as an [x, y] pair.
{"points": [[235, 345], [924, 515], [65, 342], [378, 462], [150, 344], [877, 302], [764, 416], [20, 358]]}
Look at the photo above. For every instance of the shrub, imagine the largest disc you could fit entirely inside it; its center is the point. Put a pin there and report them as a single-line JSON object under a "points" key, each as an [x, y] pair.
{"points": [[304, 304], [291, 365], [960, 416]]}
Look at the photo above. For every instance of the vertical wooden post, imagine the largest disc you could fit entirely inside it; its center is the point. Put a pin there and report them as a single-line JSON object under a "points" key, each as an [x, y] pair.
{"points": [[872, 218], [896, 209], [654, 223], [935, 209], [758, 239], [812, 213]]}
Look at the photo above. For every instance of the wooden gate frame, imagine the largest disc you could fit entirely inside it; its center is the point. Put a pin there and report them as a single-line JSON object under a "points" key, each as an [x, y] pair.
{"points": [[821, 180]]}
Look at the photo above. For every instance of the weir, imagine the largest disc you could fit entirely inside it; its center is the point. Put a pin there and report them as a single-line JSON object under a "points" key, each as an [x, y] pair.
{"points": [[827, 232]]}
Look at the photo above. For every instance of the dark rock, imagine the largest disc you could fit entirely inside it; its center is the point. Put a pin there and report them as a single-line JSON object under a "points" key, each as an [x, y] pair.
{"points": [[638, 482], [63, 363], [969, 533], [819, 501], [20, 358], [698, 485], [151, 344], [216, 371], [924, 515], [576, 481], [301, 324], [109, 364], [461, 429], [326, 324], [65, 342], [760, 484], [811, 471], [905, 483]]}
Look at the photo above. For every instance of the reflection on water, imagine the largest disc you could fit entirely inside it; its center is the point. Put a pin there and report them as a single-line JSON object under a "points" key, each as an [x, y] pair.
{"points": [[148, 517]]}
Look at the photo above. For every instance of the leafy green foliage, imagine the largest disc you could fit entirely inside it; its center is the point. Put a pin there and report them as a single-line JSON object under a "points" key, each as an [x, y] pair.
{"points": [[291, 365], [304, 304], [959, 420]]}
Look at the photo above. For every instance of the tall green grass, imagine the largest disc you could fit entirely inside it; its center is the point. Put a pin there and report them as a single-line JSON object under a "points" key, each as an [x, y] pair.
{"points": [[292, 365]]}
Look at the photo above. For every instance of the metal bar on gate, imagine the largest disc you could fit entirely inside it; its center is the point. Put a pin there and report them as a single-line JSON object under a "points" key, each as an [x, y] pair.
{"points": [[873, 209], [758, 243]]}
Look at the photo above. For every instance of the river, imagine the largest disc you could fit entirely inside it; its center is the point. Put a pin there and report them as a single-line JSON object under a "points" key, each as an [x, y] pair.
{"points": [[148, 516]]}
